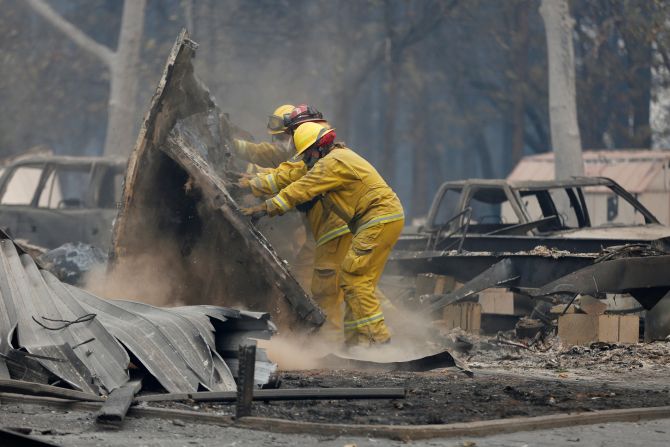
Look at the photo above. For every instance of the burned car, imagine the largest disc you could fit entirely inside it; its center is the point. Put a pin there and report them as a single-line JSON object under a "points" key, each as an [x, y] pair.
{"points": [[52, 200], [539, 238], [496, 215]]}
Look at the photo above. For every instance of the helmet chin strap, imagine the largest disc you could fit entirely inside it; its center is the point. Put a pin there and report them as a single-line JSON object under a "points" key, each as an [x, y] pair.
{"points": [[311, 161]]}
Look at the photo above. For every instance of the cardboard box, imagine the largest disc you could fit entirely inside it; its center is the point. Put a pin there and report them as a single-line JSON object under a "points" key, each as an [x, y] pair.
{"points": [[467, 316], [497, 301], [583, 329]]}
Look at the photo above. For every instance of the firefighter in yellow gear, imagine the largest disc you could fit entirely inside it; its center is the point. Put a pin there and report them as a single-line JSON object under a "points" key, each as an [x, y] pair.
{"points": [[327, 228], [351, 187], [266, 154], [332, 238]]}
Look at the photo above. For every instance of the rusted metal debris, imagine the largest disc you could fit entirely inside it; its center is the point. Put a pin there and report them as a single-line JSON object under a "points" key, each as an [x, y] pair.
{"points": [[39, 389], [177, 189]]}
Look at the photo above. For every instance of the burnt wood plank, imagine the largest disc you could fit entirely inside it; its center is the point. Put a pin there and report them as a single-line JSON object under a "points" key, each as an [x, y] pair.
{"points": [[285, 394], [116, 406], [40, 389]]}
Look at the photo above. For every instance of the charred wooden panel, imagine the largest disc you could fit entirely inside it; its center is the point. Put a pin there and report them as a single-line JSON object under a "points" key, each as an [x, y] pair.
{"points": [[177, 204]]}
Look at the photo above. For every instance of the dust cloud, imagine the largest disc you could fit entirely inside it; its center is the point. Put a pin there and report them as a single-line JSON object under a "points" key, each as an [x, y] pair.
{"points": [[412, 336], [148, 278]]}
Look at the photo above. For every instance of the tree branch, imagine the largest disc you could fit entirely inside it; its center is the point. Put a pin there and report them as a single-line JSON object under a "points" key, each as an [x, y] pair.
{"points": [[75, 34], [415, 33]]}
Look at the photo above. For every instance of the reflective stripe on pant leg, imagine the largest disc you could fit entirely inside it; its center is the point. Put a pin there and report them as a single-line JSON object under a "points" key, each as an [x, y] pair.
{"points": [[355, 324]]}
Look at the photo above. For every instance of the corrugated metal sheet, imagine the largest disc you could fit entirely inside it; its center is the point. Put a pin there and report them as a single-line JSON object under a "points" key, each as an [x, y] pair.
{"points": [[634, 170], [188, 341], [82, 339], [27, 300]]}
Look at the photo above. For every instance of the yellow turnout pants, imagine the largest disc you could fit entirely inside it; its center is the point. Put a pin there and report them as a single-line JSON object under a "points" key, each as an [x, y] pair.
{"points": [[326, 289], [362, 267], [303, 264]]}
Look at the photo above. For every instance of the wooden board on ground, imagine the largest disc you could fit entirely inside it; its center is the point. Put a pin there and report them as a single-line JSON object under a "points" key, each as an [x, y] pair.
{"points": [[116, 406]]}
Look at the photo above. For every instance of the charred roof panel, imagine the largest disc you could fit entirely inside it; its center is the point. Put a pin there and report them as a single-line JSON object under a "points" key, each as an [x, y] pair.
{"points": [[81, 339]]}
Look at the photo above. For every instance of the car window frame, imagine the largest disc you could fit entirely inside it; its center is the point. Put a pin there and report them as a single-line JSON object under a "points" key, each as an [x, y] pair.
{"points": [[9, 174], [50, 167]]}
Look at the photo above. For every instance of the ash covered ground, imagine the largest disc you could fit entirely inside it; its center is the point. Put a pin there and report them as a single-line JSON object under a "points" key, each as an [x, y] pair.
{"points": [[508, 381]]}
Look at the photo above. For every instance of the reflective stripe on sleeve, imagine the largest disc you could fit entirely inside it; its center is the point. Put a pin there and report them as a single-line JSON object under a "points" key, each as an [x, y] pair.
{"points": [[277, 200], [256, 182], [270, 178], [240, 144], [332, 234], [386, 218], [352, 325]]}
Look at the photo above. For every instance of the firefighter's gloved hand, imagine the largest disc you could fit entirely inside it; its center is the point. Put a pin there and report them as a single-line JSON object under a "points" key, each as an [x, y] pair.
{"points": [[234, 176], [244, 180], [256, 212]]}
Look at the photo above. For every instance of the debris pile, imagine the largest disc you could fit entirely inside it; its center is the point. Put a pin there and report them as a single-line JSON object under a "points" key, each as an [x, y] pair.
{"points": [[71, 261], [551, 355]]}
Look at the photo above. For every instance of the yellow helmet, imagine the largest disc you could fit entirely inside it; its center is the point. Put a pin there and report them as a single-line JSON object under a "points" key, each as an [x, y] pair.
{"points": [[276, 124], [307, 134]]}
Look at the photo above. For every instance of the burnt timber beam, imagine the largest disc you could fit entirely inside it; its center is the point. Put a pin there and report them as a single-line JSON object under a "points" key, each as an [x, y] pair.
{"points": [[116, 406], [39, 389], [500, 273], [245, 377], [626, 275], [279, 395]]}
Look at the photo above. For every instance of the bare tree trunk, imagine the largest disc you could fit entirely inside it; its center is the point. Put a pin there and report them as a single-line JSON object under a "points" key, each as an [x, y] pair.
{"points": [[392, 69], [639, 75], [122, 115], [122, 64], [423, 155], [388, 136], [520, 58], [562, 94]]}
